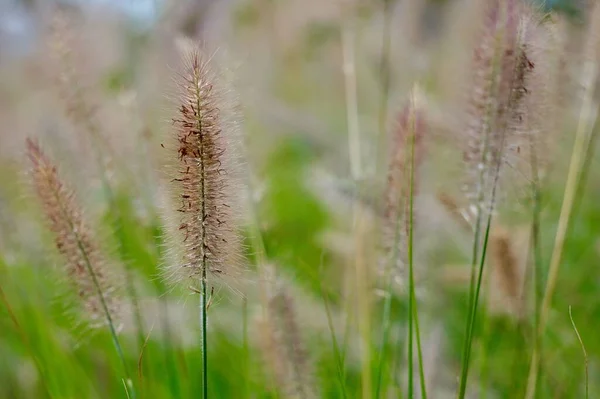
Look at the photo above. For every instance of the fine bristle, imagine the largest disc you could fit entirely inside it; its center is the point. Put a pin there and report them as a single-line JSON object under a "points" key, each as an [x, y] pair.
{"points": [[203, 180], [85, 264]]}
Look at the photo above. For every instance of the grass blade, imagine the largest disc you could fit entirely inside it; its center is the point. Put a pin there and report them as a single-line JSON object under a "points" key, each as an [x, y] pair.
{"points": [[585, 357]]}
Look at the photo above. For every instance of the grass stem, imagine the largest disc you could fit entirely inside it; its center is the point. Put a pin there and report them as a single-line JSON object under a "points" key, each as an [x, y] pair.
{"points": [[96, 284], [203, 345]]}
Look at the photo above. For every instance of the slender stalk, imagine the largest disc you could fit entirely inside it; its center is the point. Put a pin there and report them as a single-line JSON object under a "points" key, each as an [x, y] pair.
{"points": [[474, 257], [411, 279], [422, 380], [475, 282], [169, 352], [245, 347], [475, 248], [203, 346], [341, 369], [536, 242], [204, 263], [587, 120], [96, 284], [585, 357], [395, 366], [473, 311], [387, 309], [476, 296], [386, 324], [413, 312], [362, 297], [483, 344], [25, 340], [111, 325]]}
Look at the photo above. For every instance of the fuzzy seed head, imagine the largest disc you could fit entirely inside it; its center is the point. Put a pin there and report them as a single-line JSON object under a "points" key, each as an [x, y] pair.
{"points": [[501, 67], [203, 180], [410, 128], [283, 347], [73, 239]]}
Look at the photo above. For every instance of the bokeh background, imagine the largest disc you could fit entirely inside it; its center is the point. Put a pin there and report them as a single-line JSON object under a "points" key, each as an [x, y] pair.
{"points": [[98, 79]]}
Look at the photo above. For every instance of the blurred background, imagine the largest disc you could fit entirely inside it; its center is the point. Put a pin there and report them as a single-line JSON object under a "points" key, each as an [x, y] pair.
{"points": [[95, 77]]}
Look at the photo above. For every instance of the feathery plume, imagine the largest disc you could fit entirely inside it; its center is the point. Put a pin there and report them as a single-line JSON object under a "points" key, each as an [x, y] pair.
{"points": [[536, 123], [85, 263], [203, 180], [283, 349], [501, 66], [411, 127]]}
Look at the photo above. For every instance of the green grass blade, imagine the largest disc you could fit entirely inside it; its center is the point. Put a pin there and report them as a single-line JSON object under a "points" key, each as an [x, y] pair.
{"points": [[585, 356], [203, 344]]}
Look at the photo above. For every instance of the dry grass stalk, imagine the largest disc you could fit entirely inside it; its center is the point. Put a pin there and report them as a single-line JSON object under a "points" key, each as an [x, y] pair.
{"points": [[283, 348], [86, 265], [203, 180]]}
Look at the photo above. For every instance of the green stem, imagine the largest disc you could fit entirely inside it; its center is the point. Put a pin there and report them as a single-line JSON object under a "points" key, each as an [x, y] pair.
{"points": [[341, 369], [585, 356], [169, 352], [25, 340], [203, 346], [413, 312], [474, 256], [387, 310], [96, 284], [202, 239], [419, 351], [536, 246], [473, 291], [246, 350]]}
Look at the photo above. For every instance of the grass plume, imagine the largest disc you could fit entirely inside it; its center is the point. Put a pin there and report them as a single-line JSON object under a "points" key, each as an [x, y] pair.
{"points": [[203, 180], [85, 264], [501, 69], [283, 347], [405, 158], [202, 184]]}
